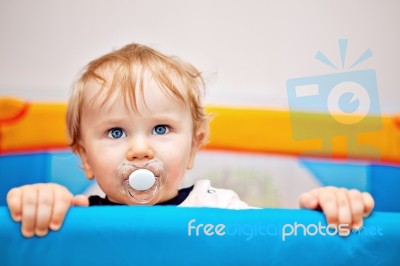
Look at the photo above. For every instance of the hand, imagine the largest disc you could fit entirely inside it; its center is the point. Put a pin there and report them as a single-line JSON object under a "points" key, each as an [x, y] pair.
{"points": [[40, 207], [340, 205]]}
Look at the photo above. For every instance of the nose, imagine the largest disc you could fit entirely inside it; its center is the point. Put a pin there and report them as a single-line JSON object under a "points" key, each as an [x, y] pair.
{"points": [[140, 149]]}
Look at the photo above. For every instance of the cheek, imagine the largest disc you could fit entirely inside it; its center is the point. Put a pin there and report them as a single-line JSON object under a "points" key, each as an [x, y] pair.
{"points": [[103, 162], [176, 161]]}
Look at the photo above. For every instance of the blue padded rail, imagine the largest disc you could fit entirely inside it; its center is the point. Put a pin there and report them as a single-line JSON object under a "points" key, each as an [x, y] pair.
{"points": [[160, 236]]}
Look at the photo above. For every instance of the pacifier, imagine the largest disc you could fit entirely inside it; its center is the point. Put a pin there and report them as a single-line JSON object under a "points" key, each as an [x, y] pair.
{"points": [[141, 183]]}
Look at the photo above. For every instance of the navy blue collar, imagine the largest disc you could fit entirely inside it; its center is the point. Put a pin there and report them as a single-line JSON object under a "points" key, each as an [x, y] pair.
{"points": [[182, 195]]}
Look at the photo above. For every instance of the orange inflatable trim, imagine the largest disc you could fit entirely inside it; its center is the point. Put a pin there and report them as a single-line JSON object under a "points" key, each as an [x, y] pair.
{"points": [[41, 126], [307, 134], [31, 126]]}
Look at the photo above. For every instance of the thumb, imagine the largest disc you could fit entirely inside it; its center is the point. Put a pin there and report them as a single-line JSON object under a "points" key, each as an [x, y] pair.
{"points": [[80, 200], [308, 200]]}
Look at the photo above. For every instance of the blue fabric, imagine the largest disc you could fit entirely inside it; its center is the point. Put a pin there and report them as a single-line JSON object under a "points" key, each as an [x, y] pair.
{"points": [[126, 235], [60, 167], [385, 187], [339, 174], [20, 169], [382, 181]]}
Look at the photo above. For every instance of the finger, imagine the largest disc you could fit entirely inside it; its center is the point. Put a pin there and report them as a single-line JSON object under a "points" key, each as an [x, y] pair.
{"points": [[357, 208], [29, 208], [369, 203], [14, 202], [44, 210], [328, 203], [344, 210], [62, 202], [80, 200], [309, 200]]}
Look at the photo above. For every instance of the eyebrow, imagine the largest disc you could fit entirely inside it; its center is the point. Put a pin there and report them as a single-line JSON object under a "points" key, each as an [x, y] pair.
{"points": [[107, 121], [159, 118]]}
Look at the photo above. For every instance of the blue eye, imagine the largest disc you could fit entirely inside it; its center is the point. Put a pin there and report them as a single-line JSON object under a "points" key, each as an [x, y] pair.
{"points": [[160, 130], [116, 133]]}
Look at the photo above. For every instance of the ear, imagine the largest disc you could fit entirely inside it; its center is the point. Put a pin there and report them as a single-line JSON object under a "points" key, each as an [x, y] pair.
{"points": [[199, 138], [86, 166]]}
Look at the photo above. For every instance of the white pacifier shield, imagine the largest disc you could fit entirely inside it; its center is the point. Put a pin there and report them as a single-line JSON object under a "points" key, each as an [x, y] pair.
{"points": [[142, 179]]}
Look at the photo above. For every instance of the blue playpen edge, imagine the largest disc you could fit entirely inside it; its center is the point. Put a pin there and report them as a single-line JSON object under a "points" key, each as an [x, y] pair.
{"points": [[201, 236]]}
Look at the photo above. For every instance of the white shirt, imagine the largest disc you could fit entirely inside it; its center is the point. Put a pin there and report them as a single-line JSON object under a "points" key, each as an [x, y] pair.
{"points": [[204, 195]]}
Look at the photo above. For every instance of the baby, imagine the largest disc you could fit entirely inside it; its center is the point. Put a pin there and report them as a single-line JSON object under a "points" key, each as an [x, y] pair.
{"points": [[136, 119]]}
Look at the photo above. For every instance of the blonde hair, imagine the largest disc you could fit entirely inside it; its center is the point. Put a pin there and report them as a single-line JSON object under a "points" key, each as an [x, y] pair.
{"points": [[124, 70]]}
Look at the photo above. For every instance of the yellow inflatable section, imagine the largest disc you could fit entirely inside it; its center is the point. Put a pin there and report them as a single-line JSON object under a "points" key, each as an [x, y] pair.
{"points": [[35, 126], [308, 134], [28, 126]]}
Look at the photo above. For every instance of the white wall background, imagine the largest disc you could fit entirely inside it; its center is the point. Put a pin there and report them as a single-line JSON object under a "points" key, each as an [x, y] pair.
{"points": [[247, 49]]}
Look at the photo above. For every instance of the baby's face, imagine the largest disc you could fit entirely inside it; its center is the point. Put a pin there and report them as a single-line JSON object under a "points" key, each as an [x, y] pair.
{"points": [[161, 128]]}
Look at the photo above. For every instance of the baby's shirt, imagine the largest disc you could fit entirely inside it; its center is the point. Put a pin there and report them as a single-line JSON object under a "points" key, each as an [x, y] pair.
{"points": [[202, 194]]}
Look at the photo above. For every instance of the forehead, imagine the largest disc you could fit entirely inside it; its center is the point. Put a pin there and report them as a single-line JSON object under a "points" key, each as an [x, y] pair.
{"points": [[147, 96]]}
